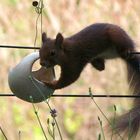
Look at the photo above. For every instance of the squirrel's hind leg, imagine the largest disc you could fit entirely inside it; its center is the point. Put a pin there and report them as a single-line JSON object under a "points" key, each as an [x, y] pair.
{"points": [[98, 63]]}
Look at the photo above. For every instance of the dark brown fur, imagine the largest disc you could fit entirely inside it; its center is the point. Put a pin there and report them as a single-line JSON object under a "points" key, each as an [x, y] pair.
{"points": [[94, 45]]}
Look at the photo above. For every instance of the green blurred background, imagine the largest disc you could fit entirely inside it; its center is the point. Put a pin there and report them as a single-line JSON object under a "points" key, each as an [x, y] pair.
{"points": [[77, 117]]}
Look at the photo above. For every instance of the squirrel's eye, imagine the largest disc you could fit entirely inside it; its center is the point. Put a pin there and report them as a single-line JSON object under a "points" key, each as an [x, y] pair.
{"points": [[52, 53]]}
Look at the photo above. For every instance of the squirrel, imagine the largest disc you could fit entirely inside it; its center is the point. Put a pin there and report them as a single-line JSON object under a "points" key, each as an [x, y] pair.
{"points": [[94, 44]]}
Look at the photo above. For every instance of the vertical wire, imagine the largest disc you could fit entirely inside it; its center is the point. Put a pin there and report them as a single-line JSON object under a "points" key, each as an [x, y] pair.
{"points": [[42, 5], [36, 31], [38, 10]]}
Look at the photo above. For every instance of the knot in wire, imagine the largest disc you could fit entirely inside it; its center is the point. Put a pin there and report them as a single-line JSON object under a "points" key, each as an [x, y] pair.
{"points": [[35, 3], [38, 6]]}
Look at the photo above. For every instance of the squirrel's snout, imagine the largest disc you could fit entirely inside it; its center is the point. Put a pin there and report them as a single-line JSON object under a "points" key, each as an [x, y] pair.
{"points": [[45, 64]]}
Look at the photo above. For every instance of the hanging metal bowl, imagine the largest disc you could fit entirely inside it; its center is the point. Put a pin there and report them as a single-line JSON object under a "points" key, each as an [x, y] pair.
{"points": [[26, 84]]}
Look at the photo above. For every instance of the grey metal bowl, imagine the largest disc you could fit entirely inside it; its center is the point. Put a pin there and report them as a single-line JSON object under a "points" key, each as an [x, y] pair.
{"points": [[26, 84]]}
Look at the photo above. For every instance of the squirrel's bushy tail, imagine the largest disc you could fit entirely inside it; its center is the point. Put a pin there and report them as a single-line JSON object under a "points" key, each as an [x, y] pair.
{"points": [[131, 121]]}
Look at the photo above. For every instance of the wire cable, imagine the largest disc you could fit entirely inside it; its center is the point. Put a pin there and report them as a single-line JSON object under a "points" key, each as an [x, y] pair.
{"points": [[81, 95]]}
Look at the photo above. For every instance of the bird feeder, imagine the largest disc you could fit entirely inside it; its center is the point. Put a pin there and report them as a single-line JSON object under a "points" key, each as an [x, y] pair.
{"points": [[26, 84]]}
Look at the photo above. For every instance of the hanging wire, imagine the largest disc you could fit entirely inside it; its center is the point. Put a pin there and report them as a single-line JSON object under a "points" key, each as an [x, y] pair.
{"points": [[39, 9], [18, 47], [82, 95], [32, 47], [41, 22]]}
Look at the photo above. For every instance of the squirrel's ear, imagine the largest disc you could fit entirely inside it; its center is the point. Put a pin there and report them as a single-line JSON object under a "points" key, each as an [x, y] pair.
{"points": [[59, 40], [44, 37]]}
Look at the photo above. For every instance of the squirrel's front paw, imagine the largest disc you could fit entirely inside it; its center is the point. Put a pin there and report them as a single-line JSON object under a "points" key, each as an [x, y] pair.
{"points": [[51, 85]]}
